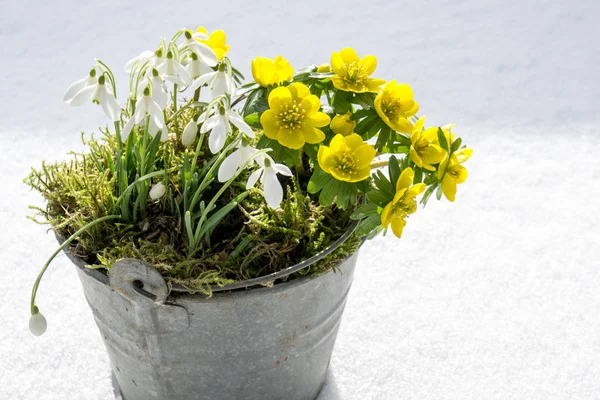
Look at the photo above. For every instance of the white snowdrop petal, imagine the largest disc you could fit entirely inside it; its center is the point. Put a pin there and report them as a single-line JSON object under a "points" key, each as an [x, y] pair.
{"points": [[282, 169], [199, 36], [74, 88], [253, 178], [111, 107], [218, 136], [201, 81], [183, 74], [175, 79], [37, 324], [158, 191], [239, 122], [164, 135], [218, 85], [153, 127], [143, 57], [272, 188], [127, 129], [206, 54], [229, 166], [209, 123], [189, 133], [83, 95]]}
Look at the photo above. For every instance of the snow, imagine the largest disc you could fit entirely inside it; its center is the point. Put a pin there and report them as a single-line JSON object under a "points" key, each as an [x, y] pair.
{"points": [[493, 297]]}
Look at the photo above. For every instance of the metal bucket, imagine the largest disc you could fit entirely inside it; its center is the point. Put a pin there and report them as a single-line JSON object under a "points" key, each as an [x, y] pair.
{"points": [[260, 343]]}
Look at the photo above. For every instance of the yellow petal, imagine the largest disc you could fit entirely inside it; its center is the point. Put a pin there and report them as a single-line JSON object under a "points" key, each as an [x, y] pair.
{"points": [[292, 138], [416, 190], [364, 155], [443, 166], [339, 83], [370, 63], [338, 143], [419, 124], [463, 155], [299, 91], [401, 125], [202, 29], [386, 215], [279, 97], [337, 64], [269, 123], [449, 187], [398, 226], [430, 134], [374, 85], [414, 156], [325, 159], [312, 135], [311, 104], [433, 154], [403, 91], [318, 119], [405, 179], [361, 174], [349, 55], [354, 141], [461, 174]]}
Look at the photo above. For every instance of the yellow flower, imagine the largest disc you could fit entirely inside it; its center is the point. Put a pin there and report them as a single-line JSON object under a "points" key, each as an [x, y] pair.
{"points": [[323, 68], [352, 73], [425, 149], [294, 116], [342, 124], [451, 172], [216, 41], [403, 204], [347, 158], [395, 104], [271, 72]]}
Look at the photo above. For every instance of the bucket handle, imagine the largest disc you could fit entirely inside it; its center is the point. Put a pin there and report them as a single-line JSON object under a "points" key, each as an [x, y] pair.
{"points": [[147, 291]]}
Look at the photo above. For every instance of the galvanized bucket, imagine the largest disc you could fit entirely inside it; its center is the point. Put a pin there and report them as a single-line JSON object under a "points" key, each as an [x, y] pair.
{"points": [[256, 343]]}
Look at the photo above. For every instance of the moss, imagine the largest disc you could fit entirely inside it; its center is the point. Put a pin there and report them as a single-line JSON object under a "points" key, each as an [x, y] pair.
{"points": [[251, 241]]}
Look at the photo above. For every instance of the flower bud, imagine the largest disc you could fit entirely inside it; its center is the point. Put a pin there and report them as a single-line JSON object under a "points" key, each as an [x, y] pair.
{"points": [[324, 68], [37, 324], [189, 133], [158, 191]]}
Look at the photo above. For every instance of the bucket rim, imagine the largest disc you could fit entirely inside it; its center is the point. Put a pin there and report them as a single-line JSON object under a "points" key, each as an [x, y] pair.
{"points": [[177, 289]]}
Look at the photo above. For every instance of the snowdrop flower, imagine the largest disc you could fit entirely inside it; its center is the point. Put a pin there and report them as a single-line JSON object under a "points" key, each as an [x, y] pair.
{"points": [[174, 72], [80, 84], [236, 160], [219, 81], [204, 52], [220, 126], [196, 66], [159, 90], [146, 106], [99, 93], [37, 324], [158, 191], [268, 177], [189, 133], [153, 57]]}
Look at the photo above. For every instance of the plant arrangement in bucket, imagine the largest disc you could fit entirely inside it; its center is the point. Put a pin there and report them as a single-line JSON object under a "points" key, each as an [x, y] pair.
{"points": [[211, 182]]}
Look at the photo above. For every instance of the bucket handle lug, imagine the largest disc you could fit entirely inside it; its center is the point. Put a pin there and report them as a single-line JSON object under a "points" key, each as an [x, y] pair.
{"points": [[147, 291]]}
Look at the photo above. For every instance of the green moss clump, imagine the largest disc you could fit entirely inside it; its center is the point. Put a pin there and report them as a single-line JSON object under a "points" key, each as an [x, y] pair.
{"points": [[253, 240]]}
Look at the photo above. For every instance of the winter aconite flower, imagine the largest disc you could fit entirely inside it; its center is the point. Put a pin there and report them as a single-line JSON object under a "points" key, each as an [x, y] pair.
{"points": [[347, 158], [424, 148], [352, 73], [342, 124], [395, 104], [217, 41], [268, 72], [403, 204], [294, 117], [100, 93], [268, 177], [324, 68], [451, 172]]}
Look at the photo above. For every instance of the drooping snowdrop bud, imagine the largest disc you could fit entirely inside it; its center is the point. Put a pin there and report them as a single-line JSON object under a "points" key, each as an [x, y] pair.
{"points": [[236, 160], [219, 82], [268, 177], [37, 323], [159, 90], [174, 72], [152, 57], [102, 94], [158, 191], [189, 133], [80, 84]]}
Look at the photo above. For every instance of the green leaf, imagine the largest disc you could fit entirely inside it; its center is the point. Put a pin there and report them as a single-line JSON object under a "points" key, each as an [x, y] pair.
{"points": [[418, 175], [379, 198], [253, 120], [366, 123], [312, 150], [364, 211], [318, 180], [256, 102], [341, 102], [456, 144], [438, 193], [368, 225], [358, 114], [365, 100], [442, 139], [281, 154], [217, 216], [394, 169]]}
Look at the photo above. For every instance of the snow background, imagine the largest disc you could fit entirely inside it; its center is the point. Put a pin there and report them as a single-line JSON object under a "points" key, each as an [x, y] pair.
{"points": [[496, 296]]}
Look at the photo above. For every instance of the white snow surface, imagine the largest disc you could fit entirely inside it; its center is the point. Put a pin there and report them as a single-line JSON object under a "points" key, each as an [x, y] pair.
{"points": [[496, 296]]}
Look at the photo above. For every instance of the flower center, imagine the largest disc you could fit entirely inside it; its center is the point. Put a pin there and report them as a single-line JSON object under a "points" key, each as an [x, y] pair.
{"points": [[390, 107], [355, 73], [346, 163], [404, 206], [291, 116]]}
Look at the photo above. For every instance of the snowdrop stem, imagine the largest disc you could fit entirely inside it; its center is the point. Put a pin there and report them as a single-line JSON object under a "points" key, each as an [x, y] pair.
{"points": [[186, 106], [74, 236], [379, 164], [175, 106], [110, 76]]}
